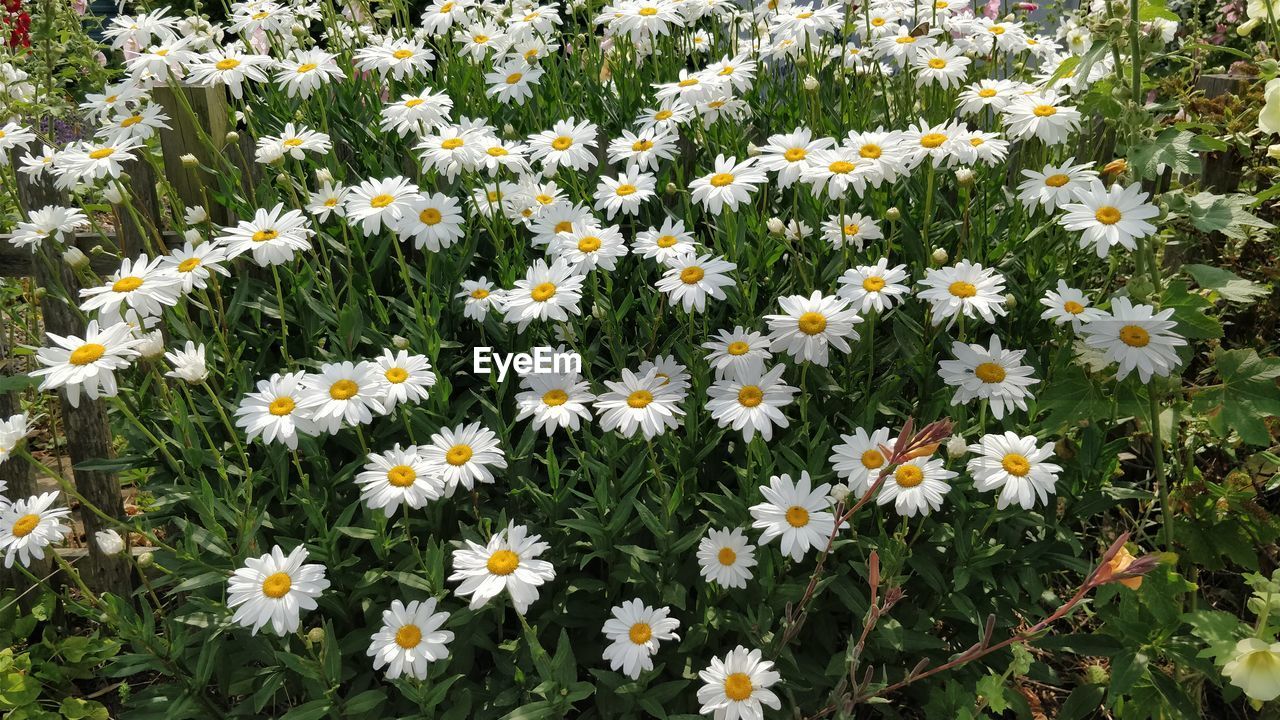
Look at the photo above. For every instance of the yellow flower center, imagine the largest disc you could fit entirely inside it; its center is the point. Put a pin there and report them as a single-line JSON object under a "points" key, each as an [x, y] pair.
{"points": [[25, 525], [797, 516], [430, 216], [737, 687], [1015, 464], [878, 22], [514, 78], [997, 29], [688, 82], [937, 63], [932, 140], [503, 562], [458, 455], [544, 199], [126, 284], [265, 235], [975, 142], [1045, 110], [625, 189], [639, 399], [905, 40], [962, 289], [1107, 215], [227, 64], [101, 153], [562, 143], [989, 372], [555, 398], [87, 353], [396, 375], [1073, 307], [343, 390], [1134, 336], [188, 265], [648, 11], [727, 556], [721, 179], [873, 283], [402, 54], [641, 145], [662, 115], [750, 396], [277, 585], [281, 406], [691, 275], [987, 93], [804, 16], [306, 68], [480, 39], [413, 102], [130, 121], [1057, 180], [812, 323], [588, 244], [401, 476], [453, 143], [841, 167], [908, 476], [479, 293], [408, 637], [871, 151], [871, 459], [640, 633], [543, 292], [737, 347], [261, 15], [665, 241], [381, 201], [564, 226], [795, 154]]}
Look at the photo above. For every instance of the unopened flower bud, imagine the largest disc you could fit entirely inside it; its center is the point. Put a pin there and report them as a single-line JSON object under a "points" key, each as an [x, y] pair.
{"points": [[195, 215], [776, 226], [109, 542], [282, 179], [893, 214], [400, 342], [152, 345], [1273, 152], [1096, 675], [1010, 301], [146, 559], [964, 177], [753, 150], [839, 492], [509, 129], [112, 194], [189, 161], [939, 256], [810, 83], [233, 137], [323, 175], [957, 447], [671, 188], [39, 293], [315, 635], [74, 258], [802, 61], [192, 236]]}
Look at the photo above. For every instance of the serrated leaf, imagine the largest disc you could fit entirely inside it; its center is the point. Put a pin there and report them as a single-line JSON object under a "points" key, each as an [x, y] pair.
{"points": [[1227, 284], [1171, 149], [1189, 312], [1246, 395], [1072, 397], [1219, 630], [1227, 214]]}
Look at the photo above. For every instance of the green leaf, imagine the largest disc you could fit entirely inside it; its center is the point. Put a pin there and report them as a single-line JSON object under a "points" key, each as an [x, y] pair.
{"points": [[1227, 284], [1189, 312], [1219, 630], [1082, 703], [1246, 396], [1070, 398], [1227, 214], [1172, 149], [991, 688]]}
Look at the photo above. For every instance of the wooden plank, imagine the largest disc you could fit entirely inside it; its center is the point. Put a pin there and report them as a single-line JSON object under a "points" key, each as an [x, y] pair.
{"points": [[20, 262], [208, 109], [88, 433]]}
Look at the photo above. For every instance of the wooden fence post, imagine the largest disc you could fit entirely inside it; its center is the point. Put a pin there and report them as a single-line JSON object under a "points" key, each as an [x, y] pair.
{"points": [[210, 110], [88, 433]]}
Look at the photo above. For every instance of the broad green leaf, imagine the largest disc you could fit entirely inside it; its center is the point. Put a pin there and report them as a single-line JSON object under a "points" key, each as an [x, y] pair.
{"points": [[1219, 630], [1245, 396], [1171, 149], [1071, 397], [1227, 284], [1189, 312], [1227, 214]]}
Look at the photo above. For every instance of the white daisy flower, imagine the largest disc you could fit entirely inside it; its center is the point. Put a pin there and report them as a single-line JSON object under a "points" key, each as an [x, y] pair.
{"points": [[1042, 115], [1138, 338], [275, 588], [726, 557], [30, 525], [142, 284], [751, 401], [646, 403], [810, 325], [855, 229], [509, 561], [967, 289], [479, 297], [567, 144], [230, 67], [406, 378], [273, 236], [1055, 185], [916, 487], [194, 265], [1069, 305], [989, 373], [795, 512], [400, 58], [554, 400], [859, 458], [729, 185], [11, 433], [303, 72], [643, 150], [664, 243], [689, 280], [736, 353], [375, 204], [87, 364], [1016, 467], [188, 364], [625, 193], [874, 287], [273, 412], [635, 631], [343, 393], [589, 248], [463, 455], [432, 221], [737, 687], [410, 639], [787, 154], [1110, 217], [398, 477]]}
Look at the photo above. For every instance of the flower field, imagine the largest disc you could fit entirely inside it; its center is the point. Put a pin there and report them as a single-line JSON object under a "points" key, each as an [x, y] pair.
{"points": [[654, 358]]}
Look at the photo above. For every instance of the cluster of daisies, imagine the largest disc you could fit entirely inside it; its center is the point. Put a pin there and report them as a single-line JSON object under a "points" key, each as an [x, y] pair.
{"points": [[27, 525]]}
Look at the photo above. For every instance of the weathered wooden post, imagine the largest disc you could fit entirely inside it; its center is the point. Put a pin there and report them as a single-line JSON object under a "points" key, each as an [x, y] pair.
{"points": [[88, 433], [192, 133]]}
